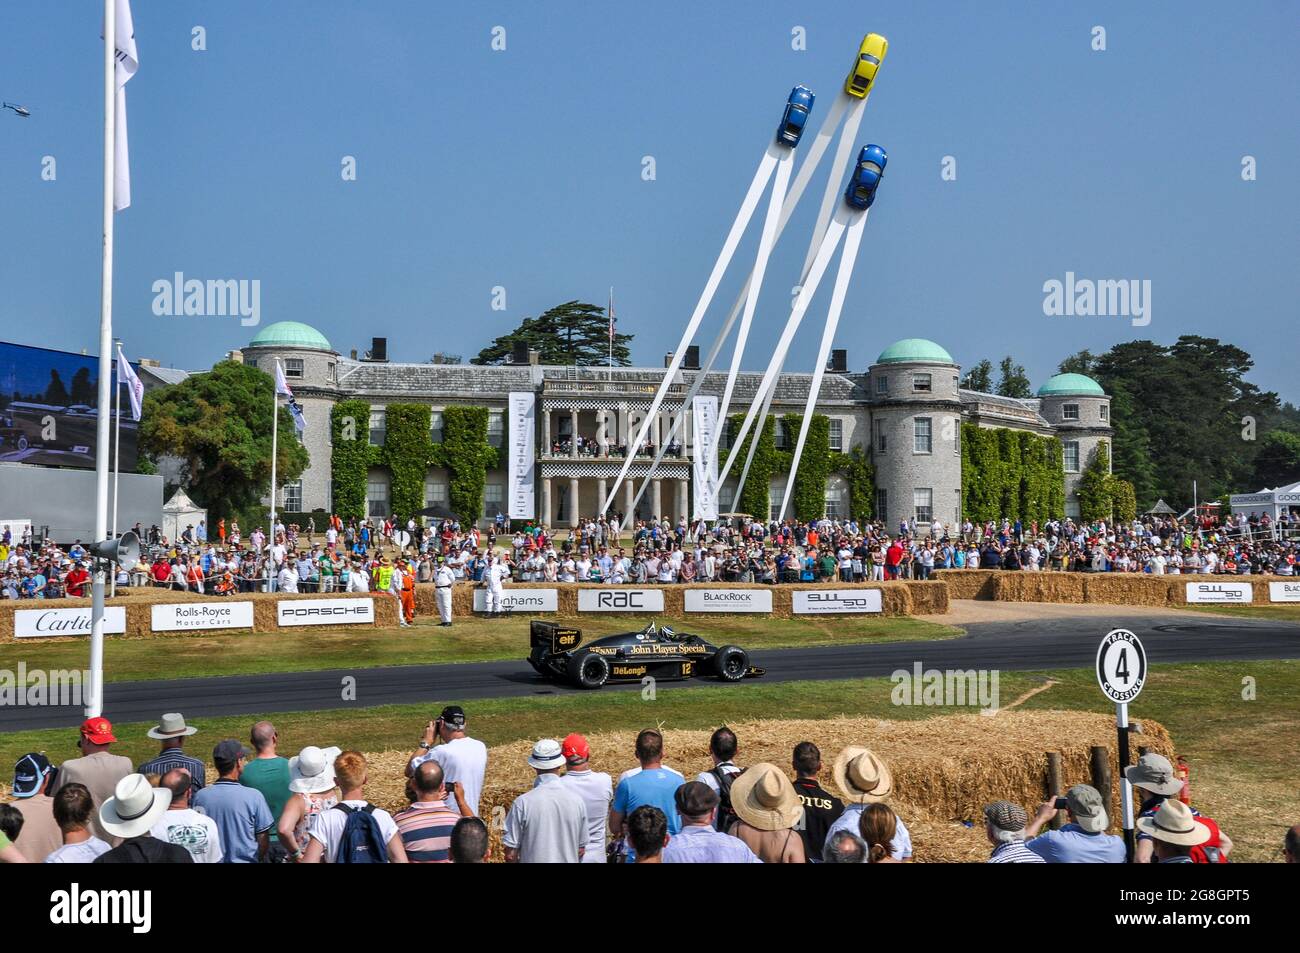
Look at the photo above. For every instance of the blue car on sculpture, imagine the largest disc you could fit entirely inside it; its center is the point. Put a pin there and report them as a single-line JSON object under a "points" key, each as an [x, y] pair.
{"points": [[866, 177], [796, 116]]}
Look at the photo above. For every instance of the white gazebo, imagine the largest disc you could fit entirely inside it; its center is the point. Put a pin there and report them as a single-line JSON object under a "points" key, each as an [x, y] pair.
{"points": [[178, 513], [1267, 502]]}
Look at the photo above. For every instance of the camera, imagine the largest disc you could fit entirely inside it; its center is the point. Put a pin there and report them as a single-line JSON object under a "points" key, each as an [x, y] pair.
{"points": [[1062, 803]]}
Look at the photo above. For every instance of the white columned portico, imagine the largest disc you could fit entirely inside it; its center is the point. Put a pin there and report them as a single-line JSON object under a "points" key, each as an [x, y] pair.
{"points": [[572, 503], [573, 436], [546, 501], [629, 491], [657, 498], [681, 501]]}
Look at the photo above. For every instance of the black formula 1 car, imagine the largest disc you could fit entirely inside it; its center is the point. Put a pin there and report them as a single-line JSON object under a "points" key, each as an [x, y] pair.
{"points": [[659, 653]]}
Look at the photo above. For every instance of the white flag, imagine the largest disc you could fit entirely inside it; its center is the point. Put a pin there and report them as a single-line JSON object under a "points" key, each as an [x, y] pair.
{"points": [[127, 63], [134, 387], [282, 390]]}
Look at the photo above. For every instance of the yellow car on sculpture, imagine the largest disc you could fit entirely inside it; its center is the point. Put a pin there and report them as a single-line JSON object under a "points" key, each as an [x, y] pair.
{"points": [[870, 55]]}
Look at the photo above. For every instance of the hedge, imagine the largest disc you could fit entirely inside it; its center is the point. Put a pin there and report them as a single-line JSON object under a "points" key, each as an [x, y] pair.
{"points": [[1011, 473]]}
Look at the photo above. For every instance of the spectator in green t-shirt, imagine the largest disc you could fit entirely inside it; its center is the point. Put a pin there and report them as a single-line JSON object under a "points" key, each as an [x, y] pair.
{"points": [[266, 771]]}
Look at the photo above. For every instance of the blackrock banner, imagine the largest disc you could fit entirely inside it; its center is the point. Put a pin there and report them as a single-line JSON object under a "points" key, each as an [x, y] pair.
{"points": [[1284, 591], [1231, 593], [832, 601], [324, 611], [523, 445], [202, 615], [34, 623], [522, 600], [705, 423], [728, 600], [620, 600]]}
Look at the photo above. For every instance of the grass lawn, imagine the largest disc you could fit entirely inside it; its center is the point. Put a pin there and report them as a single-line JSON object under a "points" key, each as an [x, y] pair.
{"points": [[1282, 612], [1242, 753], [469, 640]]}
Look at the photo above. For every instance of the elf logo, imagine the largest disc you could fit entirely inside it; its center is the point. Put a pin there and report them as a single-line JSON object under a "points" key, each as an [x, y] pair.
{"points": [[76, 906]]}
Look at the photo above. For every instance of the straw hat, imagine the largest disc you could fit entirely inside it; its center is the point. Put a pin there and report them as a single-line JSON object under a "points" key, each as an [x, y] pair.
{"points": [[1175, 823], [171, 725], [763, 797], [312, 771], [134, 807], [862, 776]]}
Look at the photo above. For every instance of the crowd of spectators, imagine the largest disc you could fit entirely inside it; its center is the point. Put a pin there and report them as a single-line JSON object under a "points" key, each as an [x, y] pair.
{"points": [[262, 807]]}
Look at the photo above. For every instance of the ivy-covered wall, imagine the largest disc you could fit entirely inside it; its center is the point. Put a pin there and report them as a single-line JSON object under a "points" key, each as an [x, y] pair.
{"points": [[1011, 473], [754, 496], [407, 454]]}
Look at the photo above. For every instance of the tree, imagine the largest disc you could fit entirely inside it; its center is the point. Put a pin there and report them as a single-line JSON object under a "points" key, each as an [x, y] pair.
{"points": [[570, 333], [218, 424], [56, 394], [1095, 486], [1278, 461], [1013, 382], [1082, 362], [83, 390], [979, 377]]}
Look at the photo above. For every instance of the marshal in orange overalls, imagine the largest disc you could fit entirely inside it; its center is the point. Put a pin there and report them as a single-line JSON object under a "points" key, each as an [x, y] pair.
{"points": [[408, 594]]}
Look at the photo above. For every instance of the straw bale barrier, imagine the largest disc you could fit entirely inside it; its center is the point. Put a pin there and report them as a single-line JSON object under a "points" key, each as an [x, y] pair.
{"points": [[1125, 589], [945, 768]]}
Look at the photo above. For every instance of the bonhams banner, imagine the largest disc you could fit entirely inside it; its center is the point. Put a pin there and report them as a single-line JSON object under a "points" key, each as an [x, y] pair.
{"points": [[705, 423], [523, 443]]}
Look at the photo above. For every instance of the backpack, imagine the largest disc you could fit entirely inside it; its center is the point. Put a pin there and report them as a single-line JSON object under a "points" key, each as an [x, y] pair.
{"points": [[1211, 852], [726, 813], [361, 842]]}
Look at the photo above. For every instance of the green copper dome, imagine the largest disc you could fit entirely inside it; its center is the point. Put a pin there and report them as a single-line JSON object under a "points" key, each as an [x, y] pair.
{"points": [[1071, 385], [917, 350], [291, 334]]}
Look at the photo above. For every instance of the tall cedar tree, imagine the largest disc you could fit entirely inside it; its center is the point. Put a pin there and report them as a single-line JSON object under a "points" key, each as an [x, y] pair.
{"points": [[571, 333]]}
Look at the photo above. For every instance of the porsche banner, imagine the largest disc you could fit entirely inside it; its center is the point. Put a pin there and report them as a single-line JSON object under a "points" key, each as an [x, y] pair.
{"points": [[705, 476], [523, 457]]}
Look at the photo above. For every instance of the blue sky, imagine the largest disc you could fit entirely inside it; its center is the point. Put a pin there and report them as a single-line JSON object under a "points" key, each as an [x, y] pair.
{"points": [[522, 169]]}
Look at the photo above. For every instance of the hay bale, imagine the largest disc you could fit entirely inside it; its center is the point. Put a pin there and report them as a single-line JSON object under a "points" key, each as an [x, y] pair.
{"points": [[929, 598], [968, 583], [945, 768], [1011, 586], [1131, 590]]}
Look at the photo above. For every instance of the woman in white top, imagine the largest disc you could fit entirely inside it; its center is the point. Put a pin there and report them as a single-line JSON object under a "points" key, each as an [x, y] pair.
{"points": [[584, 569], [568, 571], [311, 781]]}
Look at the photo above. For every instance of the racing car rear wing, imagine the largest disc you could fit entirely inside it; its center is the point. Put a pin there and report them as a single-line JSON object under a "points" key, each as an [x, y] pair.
{"points": [[556, 638]]}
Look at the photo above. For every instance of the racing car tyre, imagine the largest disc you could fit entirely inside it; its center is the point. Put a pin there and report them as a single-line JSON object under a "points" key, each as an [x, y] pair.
{"points": [[589, 670], [730, 663]]}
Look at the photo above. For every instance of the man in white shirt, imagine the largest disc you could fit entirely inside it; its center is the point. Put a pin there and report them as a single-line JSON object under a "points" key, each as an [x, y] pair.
{"points": [[326, 831], [548, 824], [358, 580], [443, 581], [184, 826], [595, 789], [494, 577], [463, 759], [287, 578]]}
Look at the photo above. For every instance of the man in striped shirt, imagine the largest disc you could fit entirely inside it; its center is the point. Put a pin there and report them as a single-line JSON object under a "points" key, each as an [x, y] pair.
{"points": [[1004, 826], [425, 827]]}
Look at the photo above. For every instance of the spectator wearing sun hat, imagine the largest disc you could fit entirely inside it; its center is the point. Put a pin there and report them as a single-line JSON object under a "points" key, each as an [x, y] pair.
{"points": [[313, 789], [1174, 830], [547, 825], [596, 790], [1004, 826], [128, 815], [864, 779], [1154, 775], [97, 768], [768, 814], [1082, 841], [41, 834], [172, 731]]}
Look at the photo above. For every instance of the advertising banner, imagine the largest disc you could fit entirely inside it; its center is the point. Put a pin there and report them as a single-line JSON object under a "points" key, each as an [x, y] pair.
{"points": [[522, 600], [705, 483], [33, 623], [324, 611], [833, 601], [728, 600], [202, 615], [1232, 593], [522, 452], [620, 600]]}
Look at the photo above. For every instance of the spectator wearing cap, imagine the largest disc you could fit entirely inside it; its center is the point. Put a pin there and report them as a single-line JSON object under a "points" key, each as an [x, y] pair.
{"points": [[652, 783], [128, 815], [97, 768], [596, 790], [41, 834], [768, 815], [172, 731], [698, 841], [469, 841], [844, 847], [821, 809], [184, 826], [547, 825], [266, 771], [647, 832], [1154, 776], [426, 825], [1004, 826], [243, 817], [1082, 841], [73, 807], [463, 759], [865, 779], [326, 833], [1174, 831]]}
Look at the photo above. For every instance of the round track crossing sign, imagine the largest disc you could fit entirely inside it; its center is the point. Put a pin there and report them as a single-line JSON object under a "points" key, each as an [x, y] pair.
{"points": [[1121, 666]]}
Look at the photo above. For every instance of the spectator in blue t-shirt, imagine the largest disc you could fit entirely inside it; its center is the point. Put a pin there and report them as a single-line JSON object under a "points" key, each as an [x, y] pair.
{"points": [[241, 813], [651, 784], [1084, 840]]}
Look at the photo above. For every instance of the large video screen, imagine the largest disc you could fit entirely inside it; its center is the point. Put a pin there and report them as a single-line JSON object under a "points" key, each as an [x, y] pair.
{"points": [[48, 409]]}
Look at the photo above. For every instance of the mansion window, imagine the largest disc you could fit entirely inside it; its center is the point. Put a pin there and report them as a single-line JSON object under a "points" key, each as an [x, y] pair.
{"points": [[293, 367], [378, 427], [923, 501], [494, 499], [922, 435], [879, 426], [921, 383], [1069, 411], [435, 426], [291, 497], [1071, 456], [496, 430], [837, 435]]}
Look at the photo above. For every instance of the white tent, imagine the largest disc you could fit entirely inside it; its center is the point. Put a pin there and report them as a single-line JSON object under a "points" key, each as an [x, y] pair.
{"points": [[178, 513], [1270, 502]]}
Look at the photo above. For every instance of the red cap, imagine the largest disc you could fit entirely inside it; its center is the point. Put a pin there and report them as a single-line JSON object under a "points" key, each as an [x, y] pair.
{"points": [[98, 731], [575, 748]]}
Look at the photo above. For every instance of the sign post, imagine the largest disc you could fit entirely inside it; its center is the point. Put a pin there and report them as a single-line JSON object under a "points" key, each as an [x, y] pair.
{"points": [[1122, 673]]}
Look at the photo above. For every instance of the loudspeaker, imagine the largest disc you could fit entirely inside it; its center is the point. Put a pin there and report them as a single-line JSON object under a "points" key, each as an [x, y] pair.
{"points": [[124, 551]]}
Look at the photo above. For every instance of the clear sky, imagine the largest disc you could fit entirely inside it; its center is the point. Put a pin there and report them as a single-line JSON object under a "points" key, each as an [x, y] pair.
{"points": [[522, 169]]}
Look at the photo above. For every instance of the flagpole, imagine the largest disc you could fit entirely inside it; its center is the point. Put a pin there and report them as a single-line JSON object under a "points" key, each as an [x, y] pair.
{"points": [[117, 457], [275, 436], [611, 332], [95, 705]]}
